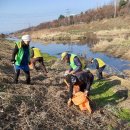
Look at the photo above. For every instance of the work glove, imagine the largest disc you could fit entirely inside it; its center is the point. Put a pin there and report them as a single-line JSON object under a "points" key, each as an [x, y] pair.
{"points": [[69, 103], [66, 73], [86, 93], [13, 61], [72, 72]]}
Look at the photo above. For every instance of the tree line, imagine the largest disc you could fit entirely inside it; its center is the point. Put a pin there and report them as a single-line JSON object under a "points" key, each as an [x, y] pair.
{"points": [[107, 11]]}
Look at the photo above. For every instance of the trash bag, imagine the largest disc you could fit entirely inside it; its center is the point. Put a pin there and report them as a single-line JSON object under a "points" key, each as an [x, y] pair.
{"points": [[82, 101]]}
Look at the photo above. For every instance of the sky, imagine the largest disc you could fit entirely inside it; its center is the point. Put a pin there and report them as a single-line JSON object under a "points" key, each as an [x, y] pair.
{"points": [[20, 14]]}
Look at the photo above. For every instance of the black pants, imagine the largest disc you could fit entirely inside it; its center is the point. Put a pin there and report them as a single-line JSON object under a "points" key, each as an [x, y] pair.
{"points": [[27, 74], [87, 85], [40, 60], [99, 72]]}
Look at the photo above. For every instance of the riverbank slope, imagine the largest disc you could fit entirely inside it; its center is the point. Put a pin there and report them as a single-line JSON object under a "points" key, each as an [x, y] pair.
{"points": [[111, 36], [43, 104]]}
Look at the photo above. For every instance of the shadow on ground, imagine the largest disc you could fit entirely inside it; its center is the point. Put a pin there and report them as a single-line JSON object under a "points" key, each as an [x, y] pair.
{"points": [[103, 95]]}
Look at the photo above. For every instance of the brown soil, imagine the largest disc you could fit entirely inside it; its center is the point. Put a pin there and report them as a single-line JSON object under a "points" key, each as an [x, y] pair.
{"points": [[42, 105]]}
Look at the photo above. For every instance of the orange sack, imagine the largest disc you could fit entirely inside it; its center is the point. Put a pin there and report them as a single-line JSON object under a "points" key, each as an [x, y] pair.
{"points": [[81, 100]]}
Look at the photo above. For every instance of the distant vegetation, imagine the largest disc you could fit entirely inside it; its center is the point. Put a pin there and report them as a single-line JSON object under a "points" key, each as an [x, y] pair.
{"points": [[2, 35], [122, 3], [107, 11]]}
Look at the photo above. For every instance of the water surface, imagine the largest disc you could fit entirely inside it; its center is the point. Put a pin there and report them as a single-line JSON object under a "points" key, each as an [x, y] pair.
{"points": [[56, 49]]}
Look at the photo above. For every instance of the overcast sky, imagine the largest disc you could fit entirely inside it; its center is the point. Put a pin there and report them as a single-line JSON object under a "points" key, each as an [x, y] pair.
{"points": [[19, 14]]}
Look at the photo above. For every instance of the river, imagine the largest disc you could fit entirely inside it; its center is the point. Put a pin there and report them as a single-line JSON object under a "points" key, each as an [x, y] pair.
{"points": [[118, 65], [56, 49]]}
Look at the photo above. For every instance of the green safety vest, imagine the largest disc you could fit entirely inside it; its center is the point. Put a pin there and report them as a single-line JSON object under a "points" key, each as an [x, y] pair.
{"points": [[72, 64], [37, 53], [100, 62], [20, 53]]}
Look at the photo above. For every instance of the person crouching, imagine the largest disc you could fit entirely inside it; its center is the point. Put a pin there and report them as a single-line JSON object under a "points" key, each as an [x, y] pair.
{"points": [[83, 80]]}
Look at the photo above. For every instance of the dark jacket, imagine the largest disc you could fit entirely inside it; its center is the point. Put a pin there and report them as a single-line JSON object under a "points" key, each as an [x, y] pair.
{"points": [[99, 63], [31, 53], [25, 59], [96, 64], [83, 79]]}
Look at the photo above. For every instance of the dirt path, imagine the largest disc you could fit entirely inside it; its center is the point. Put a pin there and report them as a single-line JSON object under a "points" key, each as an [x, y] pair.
{"points": [[42, 105]]}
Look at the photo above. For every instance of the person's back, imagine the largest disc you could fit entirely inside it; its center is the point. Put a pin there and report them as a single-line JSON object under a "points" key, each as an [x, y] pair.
{"points": [[36, 56], [73, 61], [84, 76], [100, 66], [35, 52], [83, 79], [80, 82], [99, 63]]}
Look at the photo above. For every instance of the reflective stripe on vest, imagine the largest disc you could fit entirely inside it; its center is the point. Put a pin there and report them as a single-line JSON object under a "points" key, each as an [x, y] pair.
{"points": [[72, 64], [20, 53], [100, 62], [37, 53]]}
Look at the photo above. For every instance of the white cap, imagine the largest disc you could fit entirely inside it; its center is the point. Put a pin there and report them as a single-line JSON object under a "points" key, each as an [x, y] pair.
{"points": [[26, 38], [87, 69]]}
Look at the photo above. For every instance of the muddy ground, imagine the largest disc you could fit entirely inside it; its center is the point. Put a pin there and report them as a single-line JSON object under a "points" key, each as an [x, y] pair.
{"points": [[42, 105]]}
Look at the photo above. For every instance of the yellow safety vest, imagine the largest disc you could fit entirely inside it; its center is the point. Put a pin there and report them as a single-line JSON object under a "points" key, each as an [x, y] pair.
{"points": [[100, 62], [37, 53], [72, 64]]}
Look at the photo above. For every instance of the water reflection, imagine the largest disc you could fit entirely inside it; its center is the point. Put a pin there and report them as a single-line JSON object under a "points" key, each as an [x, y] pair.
{"points": [[81, 49]]}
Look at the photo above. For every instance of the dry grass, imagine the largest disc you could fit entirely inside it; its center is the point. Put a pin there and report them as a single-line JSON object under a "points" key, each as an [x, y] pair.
{"points": [[102, 46], [115, 31], [127, 72], [43, 105], [123, 82], [120, 23], [118, 47]]}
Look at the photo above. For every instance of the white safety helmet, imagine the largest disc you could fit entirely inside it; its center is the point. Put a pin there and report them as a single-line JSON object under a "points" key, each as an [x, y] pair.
{"points": [[26, 38]]}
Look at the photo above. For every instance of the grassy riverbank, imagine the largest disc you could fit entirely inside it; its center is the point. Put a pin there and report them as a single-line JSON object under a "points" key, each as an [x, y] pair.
{"points": [[114, 42]]}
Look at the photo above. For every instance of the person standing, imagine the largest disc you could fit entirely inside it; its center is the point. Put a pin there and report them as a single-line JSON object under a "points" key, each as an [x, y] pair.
{"points": [[21, 58]]}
